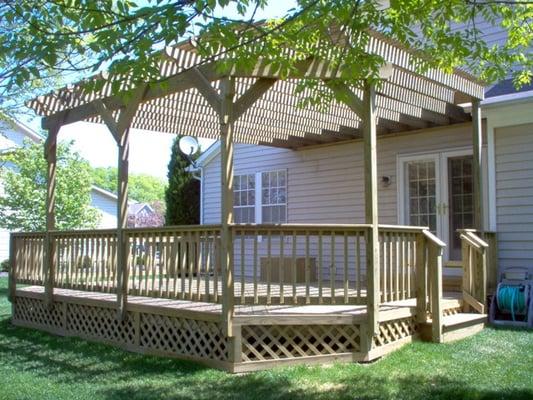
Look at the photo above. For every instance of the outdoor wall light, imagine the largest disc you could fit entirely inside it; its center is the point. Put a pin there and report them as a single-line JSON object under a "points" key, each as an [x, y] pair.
{"points": [[386, 180]]}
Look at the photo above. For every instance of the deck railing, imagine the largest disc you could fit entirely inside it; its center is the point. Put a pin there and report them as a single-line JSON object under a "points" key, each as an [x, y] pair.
{"points": [[475, 269], [272, 264]]}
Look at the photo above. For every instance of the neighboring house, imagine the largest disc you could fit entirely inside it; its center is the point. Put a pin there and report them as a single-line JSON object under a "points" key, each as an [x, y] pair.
{"points": [[143, 215], [12, 135]]}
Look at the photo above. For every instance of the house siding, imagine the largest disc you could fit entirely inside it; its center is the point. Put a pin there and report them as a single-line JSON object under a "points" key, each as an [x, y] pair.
{"points": [[107, 207], [326, 183], [514, 195]]}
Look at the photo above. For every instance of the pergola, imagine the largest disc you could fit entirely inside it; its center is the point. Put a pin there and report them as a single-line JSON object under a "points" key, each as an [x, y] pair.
{"points": [[257, 107]]}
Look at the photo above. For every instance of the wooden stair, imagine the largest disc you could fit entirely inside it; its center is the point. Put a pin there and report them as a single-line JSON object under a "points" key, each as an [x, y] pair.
{"points": [[456, 325], [461, 325]]}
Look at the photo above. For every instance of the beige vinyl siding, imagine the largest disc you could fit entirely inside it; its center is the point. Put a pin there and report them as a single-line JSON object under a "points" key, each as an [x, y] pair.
{"points": [[325, 184], [514, 195]]}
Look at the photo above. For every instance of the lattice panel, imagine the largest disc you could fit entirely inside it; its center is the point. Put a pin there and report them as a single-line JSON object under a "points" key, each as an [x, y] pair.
{"points": [[392, 331], [293, 341], [36, 312], [183, 336], [100, 323]]}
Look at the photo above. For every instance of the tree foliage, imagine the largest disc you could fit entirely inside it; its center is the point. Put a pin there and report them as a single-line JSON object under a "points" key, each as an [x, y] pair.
{"points": [[81, 37], [23, 175], [142, 187], [182, 196]]}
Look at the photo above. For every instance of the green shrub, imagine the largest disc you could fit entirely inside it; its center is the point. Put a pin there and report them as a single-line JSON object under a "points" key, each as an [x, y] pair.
{"points": [[84, 262], [4, 266]]}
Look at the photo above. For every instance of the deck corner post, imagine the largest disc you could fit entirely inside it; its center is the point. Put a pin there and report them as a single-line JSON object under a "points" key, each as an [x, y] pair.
{"points": [[12, 282], [371, 208], [421, 279], [227, 87], [477, 147], [435, 271], [50, 154]]}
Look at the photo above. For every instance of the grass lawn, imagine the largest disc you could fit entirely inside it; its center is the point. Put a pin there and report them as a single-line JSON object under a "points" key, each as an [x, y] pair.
{"points": [[495, 364]]}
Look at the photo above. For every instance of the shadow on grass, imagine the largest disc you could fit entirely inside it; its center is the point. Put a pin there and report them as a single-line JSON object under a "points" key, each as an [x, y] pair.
{"points": [[111, 373]]}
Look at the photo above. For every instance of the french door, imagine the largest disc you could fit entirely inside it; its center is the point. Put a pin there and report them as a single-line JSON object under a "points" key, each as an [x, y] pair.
{"points": [[436, 190]]}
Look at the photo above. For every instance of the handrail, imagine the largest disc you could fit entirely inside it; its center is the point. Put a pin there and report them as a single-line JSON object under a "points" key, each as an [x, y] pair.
{"points": [[474, 258]]}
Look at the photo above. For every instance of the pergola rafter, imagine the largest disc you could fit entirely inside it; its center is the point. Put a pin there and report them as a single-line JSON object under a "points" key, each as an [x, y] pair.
{"points": [[258, 106]]}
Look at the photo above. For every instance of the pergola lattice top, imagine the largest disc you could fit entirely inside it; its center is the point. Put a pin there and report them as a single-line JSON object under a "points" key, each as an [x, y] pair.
{"points": [[266, 108]]}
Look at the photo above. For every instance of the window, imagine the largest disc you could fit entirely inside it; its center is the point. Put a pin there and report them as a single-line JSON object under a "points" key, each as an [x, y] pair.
{"points": [[274, 197], [244, 199], [260, 198]]}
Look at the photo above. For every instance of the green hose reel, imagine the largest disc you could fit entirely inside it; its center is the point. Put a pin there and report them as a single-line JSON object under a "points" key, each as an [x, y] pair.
{"points": [[512, 299]]}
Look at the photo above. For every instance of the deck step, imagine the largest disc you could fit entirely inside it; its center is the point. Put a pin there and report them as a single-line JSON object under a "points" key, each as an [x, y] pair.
{"points": [[462, 325], [456, 326]]}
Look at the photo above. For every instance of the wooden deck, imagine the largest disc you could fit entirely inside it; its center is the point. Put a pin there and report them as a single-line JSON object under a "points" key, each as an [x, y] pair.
{"points": [[264, 335], [181, 304]]}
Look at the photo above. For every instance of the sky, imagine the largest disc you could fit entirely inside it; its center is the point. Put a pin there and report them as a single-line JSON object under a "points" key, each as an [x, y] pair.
{"points": [[149, 151]]}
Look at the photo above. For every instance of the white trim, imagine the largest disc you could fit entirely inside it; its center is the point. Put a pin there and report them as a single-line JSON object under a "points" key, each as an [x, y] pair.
{"points": [[104, 192], [507, 98], [258, 198], [207, 156], [441, 186], [500, 116]]}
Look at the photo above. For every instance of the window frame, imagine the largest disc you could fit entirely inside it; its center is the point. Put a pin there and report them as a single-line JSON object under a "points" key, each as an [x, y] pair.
{"points": [[258, 205]]}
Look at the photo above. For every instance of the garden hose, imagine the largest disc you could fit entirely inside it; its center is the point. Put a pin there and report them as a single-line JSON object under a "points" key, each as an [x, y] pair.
{"points": [[513, 299]]}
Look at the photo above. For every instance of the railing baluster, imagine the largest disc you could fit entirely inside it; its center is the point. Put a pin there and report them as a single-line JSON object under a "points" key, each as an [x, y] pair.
{"points": [[293, 269], [269, 267], [358, 263], [281, 268], [243, 270], [255, 261], [332, 269], [307, 268], [346, 276], [320, 266]]}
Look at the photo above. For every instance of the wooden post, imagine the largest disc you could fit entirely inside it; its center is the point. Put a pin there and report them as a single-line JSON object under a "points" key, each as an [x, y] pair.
{"points": [[12, 290], [122, 222], [477, 167], [226, 248], [50, 153], [371, 208], [119, 128], [421, 279], [435, 276]]}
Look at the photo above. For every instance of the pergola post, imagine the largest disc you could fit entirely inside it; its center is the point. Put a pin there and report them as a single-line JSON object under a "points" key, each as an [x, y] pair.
{"points": [[120, 129], [371, 210], [50, 154], [477, 167], [122, 222], [227, 87]]}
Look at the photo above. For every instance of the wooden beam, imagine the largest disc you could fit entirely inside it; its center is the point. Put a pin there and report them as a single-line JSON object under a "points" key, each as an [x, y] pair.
{"points": [[477, 167], [371, 207], [227, 88], [254, 93], [50, 153], [206, 89]]}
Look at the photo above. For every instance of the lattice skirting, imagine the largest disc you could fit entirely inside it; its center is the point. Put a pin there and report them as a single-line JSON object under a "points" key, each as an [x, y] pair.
{"points": [[394, 331], [256, 346], [140, 331], [276, 342]]}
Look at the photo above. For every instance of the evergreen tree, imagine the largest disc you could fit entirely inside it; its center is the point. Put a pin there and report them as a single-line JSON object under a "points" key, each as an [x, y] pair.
{"points": [[182, 195]]}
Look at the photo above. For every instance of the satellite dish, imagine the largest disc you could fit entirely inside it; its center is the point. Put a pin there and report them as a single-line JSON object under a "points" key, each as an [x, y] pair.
{"points": [[188, 145]]}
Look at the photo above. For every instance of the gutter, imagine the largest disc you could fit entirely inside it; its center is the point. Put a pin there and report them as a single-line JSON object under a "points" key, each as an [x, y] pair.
{"points": [[194, 172]]}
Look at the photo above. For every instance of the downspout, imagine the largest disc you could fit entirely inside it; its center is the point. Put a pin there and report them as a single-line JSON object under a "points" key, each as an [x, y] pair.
{"points": [[201, 179]]}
